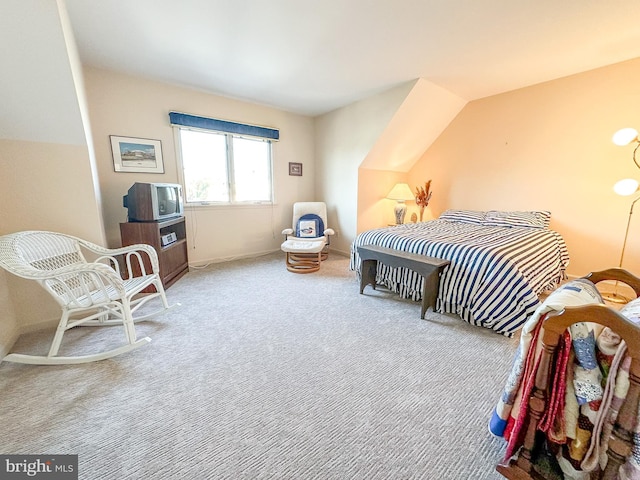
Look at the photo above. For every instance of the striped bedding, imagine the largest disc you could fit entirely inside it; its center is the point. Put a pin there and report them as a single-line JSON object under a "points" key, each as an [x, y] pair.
{"points": [[496, 273]]}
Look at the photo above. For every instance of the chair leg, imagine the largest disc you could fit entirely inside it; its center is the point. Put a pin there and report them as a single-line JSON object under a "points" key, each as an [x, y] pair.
{"points": [[163, 295], [298, 256], [52, 357], [122, 313], [57, 338], [127, 321]]}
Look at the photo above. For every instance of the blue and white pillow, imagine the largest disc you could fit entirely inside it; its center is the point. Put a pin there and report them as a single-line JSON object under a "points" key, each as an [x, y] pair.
{"points": [[309, 226], [533, 219], [463, 216]]}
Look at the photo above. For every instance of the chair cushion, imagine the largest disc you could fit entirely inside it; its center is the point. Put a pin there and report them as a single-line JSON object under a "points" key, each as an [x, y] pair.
{"points": [[303, 246], [309, 226]]}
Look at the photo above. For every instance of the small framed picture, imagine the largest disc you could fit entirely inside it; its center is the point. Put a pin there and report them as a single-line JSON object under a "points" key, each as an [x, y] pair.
{"points": [[136, 155], [295, 169]]}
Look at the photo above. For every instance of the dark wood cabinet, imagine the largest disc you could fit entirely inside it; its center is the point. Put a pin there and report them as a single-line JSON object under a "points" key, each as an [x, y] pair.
{"points": [[168, 238]]}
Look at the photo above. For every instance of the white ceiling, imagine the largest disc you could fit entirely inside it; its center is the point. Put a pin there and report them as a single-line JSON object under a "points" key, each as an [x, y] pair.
{"points": [[311, 57]]}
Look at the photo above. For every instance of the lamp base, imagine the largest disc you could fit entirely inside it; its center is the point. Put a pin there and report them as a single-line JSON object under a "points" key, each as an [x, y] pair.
{"points": [[400, 210]]}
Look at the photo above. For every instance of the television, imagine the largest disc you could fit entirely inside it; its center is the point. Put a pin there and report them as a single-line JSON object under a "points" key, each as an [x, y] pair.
{"points": [[153, 202]]}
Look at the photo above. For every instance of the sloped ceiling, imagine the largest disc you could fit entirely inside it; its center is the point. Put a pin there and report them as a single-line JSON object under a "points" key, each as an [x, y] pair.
{"points": [[313, 57], [39, 98], [422, 116]]}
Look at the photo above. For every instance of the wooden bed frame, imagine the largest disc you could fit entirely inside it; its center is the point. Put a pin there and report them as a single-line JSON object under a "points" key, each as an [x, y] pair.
{"points": [[620, 444]]}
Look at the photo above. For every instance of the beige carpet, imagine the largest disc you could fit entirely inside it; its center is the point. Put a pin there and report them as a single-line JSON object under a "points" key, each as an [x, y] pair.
{"points": [[265, 374]]}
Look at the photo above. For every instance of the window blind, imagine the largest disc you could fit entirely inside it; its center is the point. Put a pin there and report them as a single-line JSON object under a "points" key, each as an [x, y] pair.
{"points": [[205, 123]]}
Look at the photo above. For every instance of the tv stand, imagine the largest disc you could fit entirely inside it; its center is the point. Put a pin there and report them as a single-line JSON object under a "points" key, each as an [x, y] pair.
{"points": [[168, 238]]}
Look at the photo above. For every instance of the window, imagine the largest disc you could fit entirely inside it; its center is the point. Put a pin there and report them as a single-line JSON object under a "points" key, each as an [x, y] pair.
{"points": [[224, 167]]}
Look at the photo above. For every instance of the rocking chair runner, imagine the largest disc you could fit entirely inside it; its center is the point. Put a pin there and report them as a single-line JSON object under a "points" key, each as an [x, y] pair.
{"points": [[92, 293]]}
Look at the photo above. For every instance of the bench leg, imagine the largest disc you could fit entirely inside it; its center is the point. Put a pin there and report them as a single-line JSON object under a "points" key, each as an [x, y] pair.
{"points": [[368, 274], [430, 291]]}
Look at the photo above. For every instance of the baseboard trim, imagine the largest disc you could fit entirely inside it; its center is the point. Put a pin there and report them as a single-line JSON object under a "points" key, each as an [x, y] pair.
{"points": [[206, 263]]}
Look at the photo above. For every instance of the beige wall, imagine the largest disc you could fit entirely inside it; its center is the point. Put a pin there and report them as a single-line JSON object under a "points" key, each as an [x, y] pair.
{"points": [[129, 106], [547, 147], [48, 187], [45, 186], [46, 174], [423, 114], [374, 210], [343, 139]]}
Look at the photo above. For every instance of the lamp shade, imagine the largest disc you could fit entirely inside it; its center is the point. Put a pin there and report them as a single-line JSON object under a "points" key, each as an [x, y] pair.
{"points": [[626, 187], [401, 192], [625, 136]]}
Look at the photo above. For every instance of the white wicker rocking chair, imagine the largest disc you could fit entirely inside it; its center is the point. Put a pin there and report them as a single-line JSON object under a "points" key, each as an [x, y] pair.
{"points": [[90, 293]]}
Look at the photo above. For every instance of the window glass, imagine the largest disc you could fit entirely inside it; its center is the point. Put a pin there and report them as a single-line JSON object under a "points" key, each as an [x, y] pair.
{"points": [[224, 168], [252, 170]]}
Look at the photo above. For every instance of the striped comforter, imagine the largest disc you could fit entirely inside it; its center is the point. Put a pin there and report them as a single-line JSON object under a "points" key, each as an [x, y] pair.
{"points": [[495, 275]]}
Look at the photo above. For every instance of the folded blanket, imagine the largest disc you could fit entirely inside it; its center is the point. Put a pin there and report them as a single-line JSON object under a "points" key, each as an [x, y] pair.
{"points": [[595, 366], [631, 469], [588, 385], [552, 421], [614, 392], [574, 293]]}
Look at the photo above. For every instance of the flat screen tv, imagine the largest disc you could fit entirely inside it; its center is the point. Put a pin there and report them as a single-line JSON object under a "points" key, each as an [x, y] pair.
{"points": [[153, 202]]}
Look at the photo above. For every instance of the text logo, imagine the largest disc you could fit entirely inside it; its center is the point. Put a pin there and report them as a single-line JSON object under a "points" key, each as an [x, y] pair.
{"points": [[50, 467]]}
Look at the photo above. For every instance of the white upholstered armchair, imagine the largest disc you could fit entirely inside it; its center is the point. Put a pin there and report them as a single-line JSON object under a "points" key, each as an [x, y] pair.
{"points": [[103, 291], [306, 244]]}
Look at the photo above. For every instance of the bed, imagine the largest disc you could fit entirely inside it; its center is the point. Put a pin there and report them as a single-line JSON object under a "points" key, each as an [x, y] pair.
{"points": [[500, 263]]}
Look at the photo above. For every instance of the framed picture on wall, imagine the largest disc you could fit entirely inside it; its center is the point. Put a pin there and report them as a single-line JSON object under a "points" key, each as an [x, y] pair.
{"points": [[295, 169], [140, 155]]}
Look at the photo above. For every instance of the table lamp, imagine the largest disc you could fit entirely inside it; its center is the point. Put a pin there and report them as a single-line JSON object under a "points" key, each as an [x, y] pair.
{"points": [[400, 193]]}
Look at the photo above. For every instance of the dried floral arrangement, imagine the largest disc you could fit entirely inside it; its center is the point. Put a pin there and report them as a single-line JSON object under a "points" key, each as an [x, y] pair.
{"points": [[423, 195]]}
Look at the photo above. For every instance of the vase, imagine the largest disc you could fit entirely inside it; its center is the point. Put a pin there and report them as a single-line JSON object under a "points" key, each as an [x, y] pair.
{"points": [[421, 212], [400, 211]]}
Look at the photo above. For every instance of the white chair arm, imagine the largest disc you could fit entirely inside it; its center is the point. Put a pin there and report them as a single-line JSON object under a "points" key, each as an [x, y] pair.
{"points": [[329, 231], [119, 251], [128, 251], [77, 269], [287, 231]]}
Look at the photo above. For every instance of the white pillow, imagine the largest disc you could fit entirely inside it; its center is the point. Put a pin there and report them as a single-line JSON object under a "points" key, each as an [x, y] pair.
{"points": [[463, 216], [533, 219]]}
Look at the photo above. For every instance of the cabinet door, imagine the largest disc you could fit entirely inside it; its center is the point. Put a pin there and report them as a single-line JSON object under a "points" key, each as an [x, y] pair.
{"points": [[174, 261]]}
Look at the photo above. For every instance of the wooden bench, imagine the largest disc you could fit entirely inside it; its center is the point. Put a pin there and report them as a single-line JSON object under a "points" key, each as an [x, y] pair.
{"points": [[428, 267]]}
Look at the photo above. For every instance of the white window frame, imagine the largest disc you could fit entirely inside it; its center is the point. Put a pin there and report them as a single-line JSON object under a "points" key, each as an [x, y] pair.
{"points": [[230, 168]]}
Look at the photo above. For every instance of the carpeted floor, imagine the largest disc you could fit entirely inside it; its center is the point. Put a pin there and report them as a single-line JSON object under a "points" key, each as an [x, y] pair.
{"points": [[265, 374]]}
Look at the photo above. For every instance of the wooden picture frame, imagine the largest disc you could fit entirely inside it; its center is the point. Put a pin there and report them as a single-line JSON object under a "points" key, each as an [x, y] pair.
{"points": [[295, 169], [140, 155]]}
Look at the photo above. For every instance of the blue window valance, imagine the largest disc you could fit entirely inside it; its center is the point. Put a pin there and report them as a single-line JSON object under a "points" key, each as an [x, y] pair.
{"points": [[186, 120]]}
